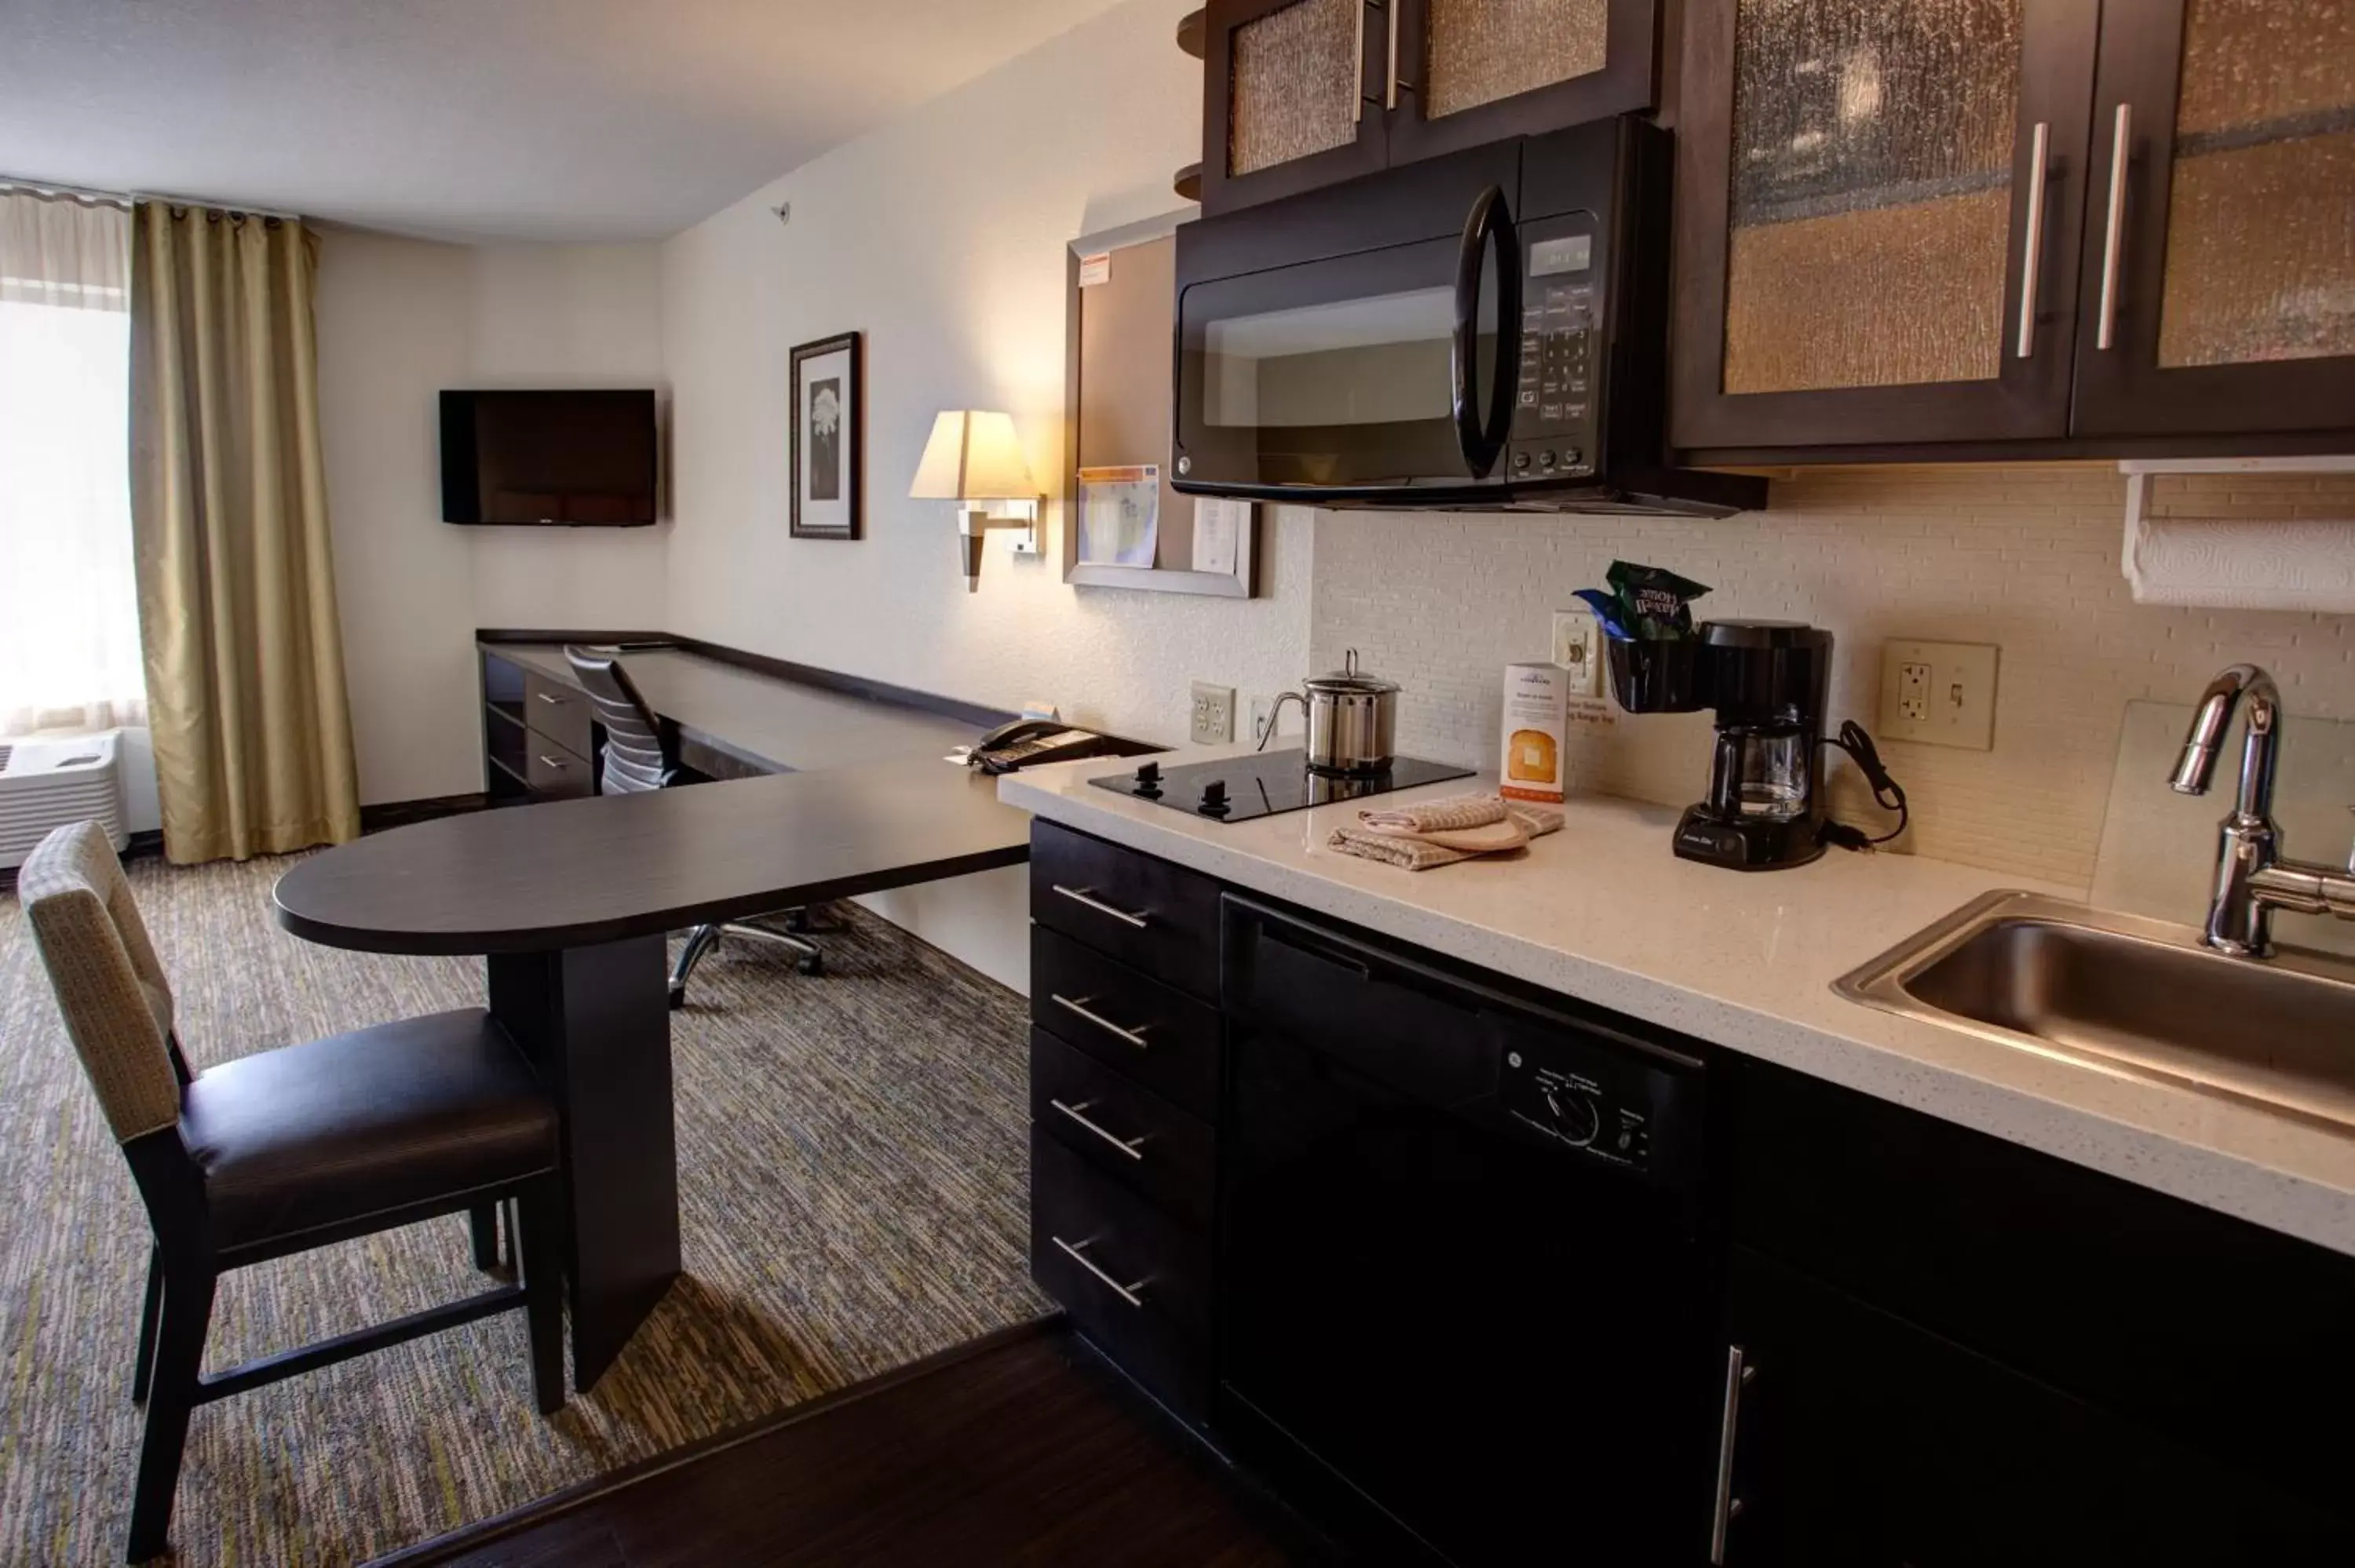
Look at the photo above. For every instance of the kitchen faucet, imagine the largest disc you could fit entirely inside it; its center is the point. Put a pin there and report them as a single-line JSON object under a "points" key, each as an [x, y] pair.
{"points": [[2252, 879]]}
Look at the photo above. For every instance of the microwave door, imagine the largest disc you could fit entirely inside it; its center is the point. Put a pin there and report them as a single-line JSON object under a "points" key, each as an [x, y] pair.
{"points": [[1338, 376]]}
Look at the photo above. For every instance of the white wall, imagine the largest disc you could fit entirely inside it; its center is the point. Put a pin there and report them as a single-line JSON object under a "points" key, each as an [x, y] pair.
{"points": [[398, 320], [942, 237]]}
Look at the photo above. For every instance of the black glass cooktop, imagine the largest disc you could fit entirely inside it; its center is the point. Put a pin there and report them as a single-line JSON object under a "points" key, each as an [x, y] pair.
{"points": [[1236, 789]]}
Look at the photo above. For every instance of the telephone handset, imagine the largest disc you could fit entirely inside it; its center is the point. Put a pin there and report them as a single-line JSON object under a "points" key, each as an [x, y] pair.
{"points": [[1025, 741]]}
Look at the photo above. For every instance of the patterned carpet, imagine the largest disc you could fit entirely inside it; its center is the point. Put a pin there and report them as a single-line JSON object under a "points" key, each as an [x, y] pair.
{"points": [[853, 1184]]}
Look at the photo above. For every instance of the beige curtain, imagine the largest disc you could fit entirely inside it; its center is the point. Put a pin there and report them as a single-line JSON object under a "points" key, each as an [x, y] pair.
{"points": [[237, 591]]}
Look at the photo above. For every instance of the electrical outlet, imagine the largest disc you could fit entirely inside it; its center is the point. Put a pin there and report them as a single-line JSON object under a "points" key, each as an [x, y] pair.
{"points": [[1578, 648], [1213, 718], [1939, 694]]}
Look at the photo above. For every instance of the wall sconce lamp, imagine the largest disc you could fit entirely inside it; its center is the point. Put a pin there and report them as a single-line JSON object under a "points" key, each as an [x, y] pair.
{"points": [[972, 456]]}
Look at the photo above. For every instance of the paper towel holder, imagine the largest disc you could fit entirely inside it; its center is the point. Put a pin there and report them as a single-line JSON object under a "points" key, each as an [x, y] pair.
{"points": [[2231, 575]]}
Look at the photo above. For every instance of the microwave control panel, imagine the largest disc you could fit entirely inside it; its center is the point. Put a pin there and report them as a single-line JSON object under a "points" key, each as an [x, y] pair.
{"points": [[1556, 406]]}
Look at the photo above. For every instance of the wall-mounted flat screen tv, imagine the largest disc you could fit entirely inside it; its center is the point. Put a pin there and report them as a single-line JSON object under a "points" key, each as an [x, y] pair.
{"points": [[578, 458]]}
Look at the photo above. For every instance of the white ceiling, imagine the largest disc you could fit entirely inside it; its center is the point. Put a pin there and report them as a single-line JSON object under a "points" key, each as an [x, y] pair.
{"points": [[478, 119]]}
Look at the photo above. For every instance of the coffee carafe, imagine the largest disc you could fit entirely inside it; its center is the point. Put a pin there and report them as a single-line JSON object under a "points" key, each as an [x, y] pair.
{"points": [[1768, 680]]}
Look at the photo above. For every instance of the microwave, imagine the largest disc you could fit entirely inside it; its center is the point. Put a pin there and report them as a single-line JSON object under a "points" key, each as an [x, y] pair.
{"points": [[1487, 331]]}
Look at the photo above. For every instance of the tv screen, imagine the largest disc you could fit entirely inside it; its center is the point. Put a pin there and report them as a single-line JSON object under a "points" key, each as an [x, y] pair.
{"points": [[580, 458]]}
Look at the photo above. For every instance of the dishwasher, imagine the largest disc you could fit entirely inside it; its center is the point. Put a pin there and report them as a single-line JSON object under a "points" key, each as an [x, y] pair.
{"points": [[1467, 1291]]}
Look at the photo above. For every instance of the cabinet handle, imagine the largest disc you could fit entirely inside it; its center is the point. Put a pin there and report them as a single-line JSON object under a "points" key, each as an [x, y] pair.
{"points": [[551, 700], [1080, 896], [2031, 244], [555, 762], [1729, 1507], [2114, 231], [1391, 94], [1357, 86], [1127, 1146], [1133, 1036], [1079, 1255]]}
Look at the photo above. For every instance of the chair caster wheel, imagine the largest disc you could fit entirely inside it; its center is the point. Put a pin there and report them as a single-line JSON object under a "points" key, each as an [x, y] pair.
{"points": [[813, 965], [678, 996]]}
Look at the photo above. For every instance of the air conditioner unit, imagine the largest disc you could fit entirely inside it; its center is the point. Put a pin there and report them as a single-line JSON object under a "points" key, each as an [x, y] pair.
{"points": [[46, 783]]}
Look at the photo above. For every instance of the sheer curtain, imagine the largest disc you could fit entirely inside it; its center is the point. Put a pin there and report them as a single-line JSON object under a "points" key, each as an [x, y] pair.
{"points": [[69, 650]]}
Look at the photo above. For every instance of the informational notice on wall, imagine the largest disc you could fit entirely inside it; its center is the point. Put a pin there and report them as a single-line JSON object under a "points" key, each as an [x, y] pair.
{"points": [[1217, 531], [1120, 515], [1095, 269]]}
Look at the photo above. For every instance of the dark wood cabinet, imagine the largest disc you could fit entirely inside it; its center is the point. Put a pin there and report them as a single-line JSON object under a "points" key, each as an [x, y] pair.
{"points": [[1879, 204], [1857, 1438], [1966, 222], [2219, 290], [539, 737], [1302, 93]]}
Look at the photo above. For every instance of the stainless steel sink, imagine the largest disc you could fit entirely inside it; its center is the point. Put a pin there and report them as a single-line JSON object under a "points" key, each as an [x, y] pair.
{"points": [[2133, 996]]}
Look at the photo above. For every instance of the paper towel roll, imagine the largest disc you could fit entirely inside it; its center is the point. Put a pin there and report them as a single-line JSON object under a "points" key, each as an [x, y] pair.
{"points": [[2223, 564]]}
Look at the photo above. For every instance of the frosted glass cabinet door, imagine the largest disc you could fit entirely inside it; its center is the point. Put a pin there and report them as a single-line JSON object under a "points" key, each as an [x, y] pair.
{"points": [[1289, 97], [1879, 216], [2222, 295], [1457, 73]]}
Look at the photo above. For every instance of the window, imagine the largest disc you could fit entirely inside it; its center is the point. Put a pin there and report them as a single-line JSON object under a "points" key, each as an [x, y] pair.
{"points": [[69, 653]]}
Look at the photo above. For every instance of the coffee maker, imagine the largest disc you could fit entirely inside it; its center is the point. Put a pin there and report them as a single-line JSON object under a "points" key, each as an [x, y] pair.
{"points": [[1768, 680]]}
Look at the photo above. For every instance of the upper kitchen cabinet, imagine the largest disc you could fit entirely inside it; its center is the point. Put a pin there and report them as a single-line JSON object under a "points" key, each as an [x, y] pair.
{"points": [[1303, 93], [1879, 204], [2219, 293]]}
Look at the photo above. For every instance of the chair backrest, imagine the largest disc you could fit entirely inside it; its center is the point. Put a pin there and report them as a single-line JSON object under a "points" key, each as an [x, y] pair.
{"points": [[116, 1002], [637, 758]]}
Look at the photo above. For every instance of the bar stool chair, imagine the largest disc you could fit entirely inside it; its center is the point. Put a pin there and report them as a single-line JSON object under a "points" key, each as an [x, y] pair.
{"points": [[286, 1151]]}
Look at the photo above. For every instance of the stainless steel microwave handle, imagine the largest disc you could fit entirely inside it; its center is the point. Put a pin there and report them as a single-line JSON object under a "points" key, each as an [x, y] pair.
{"points": [[2114, 230], [1490, 222], [2031, 244], [1729, 1507]]}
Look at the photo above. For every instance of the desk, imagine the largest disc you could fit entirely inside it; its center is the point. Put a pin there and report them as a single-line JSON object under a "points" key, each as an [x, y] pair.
{"points": [[570, 902]]}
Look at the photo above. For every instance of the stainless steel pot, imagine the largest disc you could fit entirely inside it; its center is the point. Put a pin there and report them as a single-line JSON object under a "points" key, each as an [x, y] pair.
{"points": [[1352, 719]]}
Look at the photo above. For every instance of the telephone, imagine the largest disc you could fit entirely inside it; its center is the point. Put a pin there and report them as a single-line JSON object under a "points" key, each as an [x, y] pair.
{"points": [[1025, 741]]}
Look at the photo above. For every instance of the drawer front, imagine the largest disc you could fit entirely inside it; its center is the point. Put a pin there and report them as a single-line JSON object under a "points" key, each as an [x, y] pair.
{"points": [[556, 774], [1132, 1135], [558, 712], [1146, 912], [1134, 1280], [1162, 1039]]}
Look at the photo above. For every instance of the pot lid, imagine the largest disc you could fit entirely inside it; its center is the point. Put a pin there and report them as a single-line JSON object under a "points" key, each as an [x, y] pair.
{"points": [[1349, 680]]}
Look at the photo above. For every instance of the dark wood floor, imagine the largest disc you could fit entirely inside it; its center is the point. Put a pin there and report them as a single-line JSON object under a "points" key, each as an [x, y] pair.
{"points": [[1029, 1450]]}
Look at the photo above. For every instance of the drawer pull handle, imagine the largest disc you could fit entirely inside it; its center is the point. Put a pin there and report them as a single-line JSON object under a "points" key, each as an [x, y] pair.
{"points": [[551, 699], [1079, 895], [555, 762], [1737, 1375], [1079, 1255], [1127, 1146], [1080, 1009]]}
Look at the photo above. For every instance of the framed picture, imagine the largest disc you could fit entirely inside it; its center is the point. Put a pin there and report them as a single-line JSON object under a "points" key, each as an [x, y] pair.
{"points": [[829, 444]]}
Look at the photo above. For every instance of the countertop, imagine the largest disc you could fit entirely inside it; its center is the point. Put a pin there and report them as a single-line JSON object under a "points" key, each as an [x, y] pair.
{"points": [[1601, 911]]}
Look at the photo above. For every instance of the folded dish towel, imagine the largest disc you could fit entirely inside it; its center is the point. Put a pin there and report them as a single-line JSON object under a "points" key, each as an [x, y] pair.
{"points": [[1441, 832]]}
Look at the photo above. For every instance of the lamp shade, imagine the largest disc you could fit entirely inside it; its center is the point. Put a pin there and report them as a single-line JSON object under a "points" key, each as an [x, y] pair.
{"points": [[972, 456]]}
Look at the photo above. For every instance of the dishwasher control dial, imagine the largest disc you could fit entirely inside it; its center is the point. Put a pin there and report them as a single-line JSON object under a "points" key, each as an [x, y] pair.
{"points": [[1576, 1118]]}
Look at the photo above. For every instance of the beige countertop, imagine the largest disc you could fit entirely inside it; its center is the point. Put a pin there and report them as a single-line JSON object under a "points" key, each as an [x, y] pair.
{"points": [[1601, 911]]}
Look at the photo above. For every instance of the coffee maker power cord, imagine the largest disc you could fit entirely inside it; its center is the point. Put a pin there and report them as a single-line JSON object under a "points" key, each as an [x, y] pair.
{"points": [[1886, 792]]}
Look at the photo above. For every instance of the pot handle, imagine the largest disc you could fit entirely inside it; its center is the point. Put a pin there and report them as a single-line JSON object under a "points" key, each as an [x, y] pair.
{"points": [[1275, 710]]}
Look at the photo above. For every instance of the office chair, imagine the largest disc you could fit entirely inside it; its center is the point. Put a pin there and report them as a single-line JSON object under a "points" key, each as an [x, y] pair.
{"points": [[286, 1151], [641, 755]]}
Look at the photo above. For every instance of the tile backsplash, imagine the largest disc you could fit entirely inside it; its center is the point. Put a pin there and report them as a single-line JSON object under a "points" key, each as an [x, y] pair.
{"points": [[2022, 556]]}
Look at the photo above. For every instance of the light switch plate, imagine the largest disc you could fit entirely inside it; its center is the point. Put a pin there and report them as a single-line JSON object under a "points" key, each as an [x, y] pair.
{"points": [[1578, 648], [1938, 694]]}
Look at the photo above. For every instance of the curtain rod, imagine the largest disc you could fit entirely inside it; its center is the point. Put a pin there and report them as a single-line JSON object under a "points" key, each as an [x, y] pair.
{"points": [[131, 198]]}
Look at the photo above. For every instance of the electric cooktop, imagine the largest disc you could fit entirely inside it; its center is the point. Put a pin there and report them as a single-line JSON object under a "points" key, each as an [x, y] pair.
{"points": [[1236, 789]]}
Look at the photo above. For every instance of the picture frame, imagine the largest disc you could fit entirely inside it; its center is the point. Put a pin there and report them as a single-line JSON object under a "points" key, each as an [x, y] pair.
{"points": [[828, 438]]}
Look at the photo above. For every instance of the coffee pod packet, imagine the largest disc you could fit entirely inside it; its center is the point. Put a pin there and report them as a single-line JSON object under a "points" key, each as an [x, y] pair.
{"points": [[1652, 603]]}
